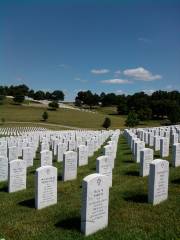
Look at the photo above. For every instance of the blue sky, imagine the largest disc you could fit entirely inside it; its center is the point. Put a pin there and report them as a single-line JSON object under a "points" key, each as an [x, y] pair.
{"points": [[110, 46]]}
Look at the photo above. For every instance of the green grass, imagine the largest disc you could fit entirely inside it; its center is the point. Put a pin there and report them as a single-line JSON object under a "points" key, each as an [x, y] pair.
{"points": [[130, 216], [25, 113]]}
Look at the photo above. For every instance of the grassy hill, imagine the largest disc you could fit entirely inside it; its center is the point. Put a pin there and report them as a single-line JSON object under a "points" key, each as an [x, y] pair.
{"points": [[33, 113]]}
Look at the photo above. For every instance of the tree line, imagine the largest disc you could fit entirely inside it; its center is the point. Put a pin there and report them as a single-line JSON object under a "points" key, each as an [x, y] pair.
{"points": [[23, 90], [159, 105]]}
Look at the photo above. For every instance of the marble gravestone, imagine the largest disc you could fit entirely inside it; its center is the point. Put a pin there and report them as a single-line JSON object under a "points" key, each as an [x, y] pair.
{"points": [[176, 155], [46, 158], [104, 167], [3, 151], [108, 151], [16, 175], [164, 147], [158, 181], [69, 166], [95, 202], [3, 168], [82, 155], [46, 187], [28, 156], [139, 145], [60, 152], [146, 157], [12, 153], [157, 143]]}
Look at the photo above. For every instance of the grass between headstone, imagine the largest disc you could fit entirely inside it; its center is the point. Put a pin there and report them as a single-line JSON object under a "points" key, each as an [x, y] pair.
{"points": [[130, 216]]}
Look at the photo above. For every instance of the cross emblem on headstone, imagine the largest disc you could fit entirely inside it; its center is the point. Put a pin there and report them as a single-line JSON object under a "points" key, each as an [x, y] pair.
{"points": [[99, 181]]}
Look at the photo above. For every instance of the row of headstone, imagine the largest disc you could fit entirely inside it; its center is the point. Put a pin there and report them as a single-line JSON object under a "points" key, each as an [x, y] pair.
{"points": [[157, 170]]}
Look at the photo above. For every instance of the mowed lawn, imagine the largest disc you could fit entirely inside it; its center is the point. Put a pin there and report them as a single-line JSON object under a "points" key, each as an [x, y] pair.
{"points": [[130, 216], [67, 117]]}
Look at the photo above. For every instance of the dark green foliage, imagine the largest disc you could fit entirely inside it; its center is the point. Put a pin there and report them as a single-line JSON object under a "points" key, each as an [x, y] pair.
{"points": [[132, 119], [24, 90], [54, 105], [174, 114], [2, 97], [57, 95], [144, 113], [107, 123], [45, 116], [87, 98], [3, 120], [19, 99]]}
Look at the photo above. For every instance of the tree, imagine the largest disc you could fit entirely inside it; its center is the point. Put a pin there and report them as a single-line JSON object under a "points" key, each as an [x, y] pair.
{"points": [[2, 97], [107, 123], [45, 116], [57, 95], [174, 113], [19, 99], [132, 119], [144, 113], [53, 105], [78, 102], [39, 95]]}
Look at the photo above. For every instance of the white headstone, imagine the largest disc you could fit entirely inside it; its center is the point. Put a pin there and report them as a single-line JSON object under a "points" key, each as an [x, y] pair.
{"points": [[95, 201], [176, 155], [69, 165], [12, 153], [46, 158], [104, 167], [28, 156], [82, 155], [46, 186], [3, 168], [146, 157], [16, 175], [158, 181], [164, 147]]}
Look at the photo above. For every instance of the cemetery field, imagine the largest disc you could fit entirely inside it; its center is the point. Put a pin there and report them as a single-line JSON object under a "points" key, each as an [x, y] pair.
{"points": [[130, 216], [67, 117]]}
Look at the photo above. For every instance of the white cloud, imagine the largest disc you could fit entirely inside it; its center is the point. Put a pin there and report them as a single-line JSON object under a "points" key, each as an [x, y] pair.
{"points": [[169, 87], [119, 91], [80, 80], [116, 81], [145, 40], [149, 91], [141, 74], [117, 73], [100, 71], [65, 66]]}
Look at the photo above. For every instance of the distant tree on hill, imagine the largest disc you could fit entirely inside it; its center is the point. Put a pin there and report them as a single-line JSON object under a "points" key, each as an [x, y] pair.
{"points": [[107, 123], [57, 95], [144, 113], [174, 113], [132, 119], [2, 97], [53, 105], [3, 120], [45, 116], [19, 99], [39, 95]]}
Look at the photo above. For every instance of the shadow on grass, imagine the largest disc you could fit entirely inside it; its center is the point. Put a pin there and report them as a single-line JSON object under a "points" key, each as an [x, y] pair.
{"points": [[73, 223], [128, 161], [30, 203], [4, 189], [60, 177], [137, 198], [132, 173], [176, 181]]}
